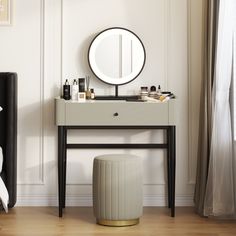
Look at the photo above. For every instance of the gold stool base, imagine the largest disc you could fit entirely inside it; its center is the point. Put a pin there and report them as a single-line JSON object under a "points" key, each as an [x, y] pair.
{"points": [[118, 223]]}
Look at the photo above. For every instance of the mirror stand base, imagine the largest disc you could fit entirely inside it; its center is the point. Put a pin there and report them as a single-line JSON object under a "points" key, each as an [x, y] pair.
{"points": [[117, 97]]}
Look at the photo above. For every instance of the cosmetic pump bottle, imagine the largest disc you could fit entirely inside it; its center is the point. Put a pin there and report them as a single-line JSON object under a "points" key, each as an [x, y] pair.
{"points": [[66, 90], [74, 90]]}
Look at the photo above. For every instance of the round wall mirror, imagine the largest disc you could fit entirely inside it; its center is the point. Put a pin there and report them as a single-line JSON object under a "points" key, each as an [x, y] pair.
{"points": [[116, 56]]}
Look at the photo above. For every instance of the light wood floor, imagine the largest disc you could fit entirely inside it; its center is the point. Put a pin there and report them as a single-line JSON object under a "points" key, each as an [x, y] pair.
{"points": [[35, 221]]}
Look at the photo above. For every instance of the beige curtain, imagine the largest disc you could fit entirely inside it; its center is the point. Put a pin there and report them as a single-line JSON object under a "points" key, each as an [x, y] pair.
{"points": [[211, 13], [215, 186]]}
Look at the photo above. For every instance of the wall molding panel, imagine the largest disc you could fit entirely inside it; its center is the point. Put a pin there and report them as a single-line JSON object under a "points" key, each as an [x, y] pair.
{"points": [[42, 81], [40, 179], [40, 171], [167, 6], [190, 156]]}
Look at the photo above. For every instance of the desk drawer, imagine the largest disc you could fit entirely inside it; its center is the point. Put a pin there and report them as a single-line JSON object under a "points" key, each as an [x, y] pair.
{"points": [[111, 113], [115, 114]]}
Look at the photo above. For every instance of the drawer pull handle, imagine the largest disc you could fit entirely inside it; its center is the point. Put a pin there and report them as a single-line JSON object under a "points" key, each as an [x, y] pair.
{"points": [[116, 114]]}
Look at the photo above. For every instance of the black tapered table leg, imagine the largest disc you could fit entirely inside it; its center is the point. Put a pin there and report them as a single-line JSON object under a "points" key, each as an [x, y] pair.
{"points": [[173, 166], [60, 167], [169, 168], [64, 166]]}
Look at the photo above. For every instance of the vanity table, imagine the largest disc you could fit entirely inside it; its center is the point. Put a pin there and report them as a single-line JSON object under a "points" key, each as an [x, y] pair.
{"points": [[120, 114]]}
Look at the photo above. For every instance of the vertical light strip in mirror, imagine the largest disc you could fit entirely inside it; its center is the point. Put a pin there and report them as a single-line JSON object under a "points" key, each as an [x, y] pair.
{"points": [[131, 56], [126, 56], [120, 56]]}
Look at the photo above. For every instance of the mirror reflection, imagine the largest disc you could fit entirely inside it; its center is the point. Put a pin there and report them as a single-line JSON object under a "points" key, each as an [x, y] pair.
{"points": [[116, 56]]}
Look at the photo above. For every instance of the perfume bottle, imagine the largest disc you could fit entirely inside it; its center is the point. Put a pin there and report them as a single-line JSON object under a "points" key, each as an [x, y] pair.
{"points": [[159, 93], [92, 93], [88, 94], [66, 90]]}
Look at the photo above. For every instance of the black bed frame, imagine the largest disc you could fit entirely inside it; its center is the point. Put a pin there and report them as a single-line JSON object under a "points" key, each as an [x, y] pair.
{"points": [[8, 132]]}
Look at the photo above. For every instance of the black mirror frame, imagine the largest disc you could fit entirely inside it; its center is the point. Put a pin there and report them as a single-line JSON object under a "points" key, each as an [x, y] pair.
{"points": [[129, 32]]}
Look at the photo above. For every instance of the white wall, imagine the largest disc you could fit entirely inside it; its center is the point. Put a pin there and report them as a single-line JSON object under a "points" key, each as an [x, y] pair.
{"points": [[48, 42]]}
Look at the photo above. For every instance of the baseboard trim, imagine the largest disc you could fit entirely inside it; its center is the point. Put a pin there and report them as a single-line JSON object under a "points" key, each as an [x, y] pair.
{"points": [[86, 200]]}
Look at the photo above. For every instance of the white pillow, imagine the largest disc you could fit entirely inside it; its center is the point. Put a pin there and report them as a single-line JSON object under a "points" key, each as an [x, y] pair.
{"points": [[4, 196], [1, 160]]}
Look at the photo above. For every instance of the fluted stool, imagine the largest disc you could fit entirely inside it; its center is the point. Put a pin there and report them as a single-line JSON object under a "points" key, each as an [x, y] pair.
{"points": [[117, 189]]}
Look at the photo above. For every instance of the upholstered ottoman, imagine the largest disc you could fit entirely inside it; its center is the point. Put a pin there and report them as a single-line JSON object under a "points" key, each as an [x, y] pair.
{"points": [[117, 189]]}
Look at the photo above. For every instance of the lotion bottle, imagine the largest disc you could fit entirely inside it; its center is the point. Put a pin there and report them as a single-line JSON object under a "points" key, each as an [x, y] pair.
{"points": [[74, 90]]}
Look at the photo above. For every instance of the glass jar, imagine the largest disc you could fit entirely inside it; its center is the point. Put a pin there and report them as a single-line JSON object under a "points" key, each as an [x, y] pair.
{"points": [[144, 93]]}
